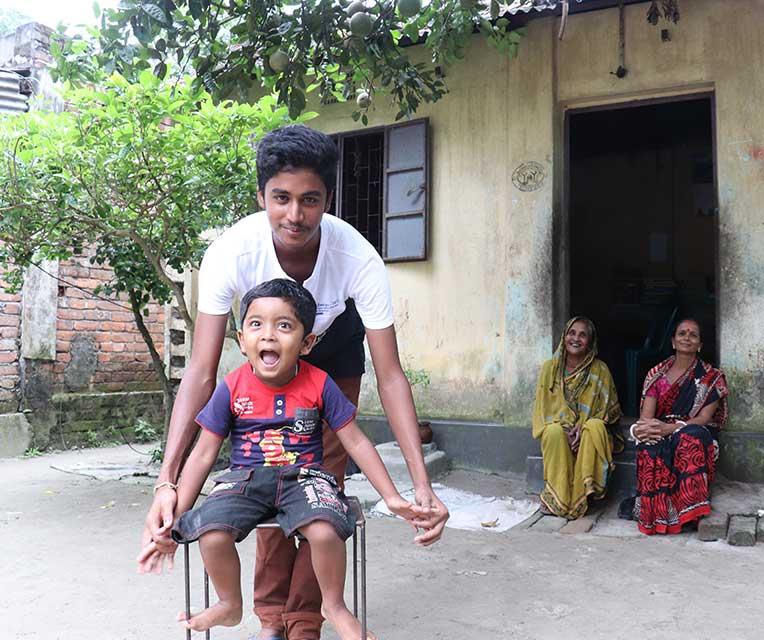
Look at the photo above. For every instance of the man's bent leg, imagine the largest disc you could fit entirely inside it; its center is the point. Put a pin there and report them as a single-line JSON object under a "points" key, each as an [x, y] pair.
{"points": [[302, 616], [274, 560]]}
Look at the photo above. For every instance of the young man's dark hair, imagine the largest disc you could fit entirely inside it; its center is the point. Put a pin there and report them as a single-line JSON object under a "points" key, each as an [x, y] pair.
{"points": [[299, 297], [297, 147]]}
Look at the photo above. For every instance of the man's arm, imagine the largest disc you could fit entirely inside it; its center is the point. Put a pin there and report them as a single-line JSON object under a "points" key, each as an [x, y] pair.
{"points": [[398, 404], [195, 389], [195, 471]]}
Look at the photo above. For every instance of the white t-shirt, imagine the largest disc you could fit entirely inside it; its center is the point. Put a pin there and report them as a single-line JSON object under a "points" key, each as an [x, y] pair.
{"points": [[347, 267]]}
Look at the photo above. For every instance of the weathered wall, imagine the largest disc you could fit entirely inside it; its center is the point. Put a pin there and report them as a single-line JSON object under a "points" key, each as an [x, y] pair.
{"points": [[89, 419], [98, 347], [58, 338], [476, 311], [10, 323]]}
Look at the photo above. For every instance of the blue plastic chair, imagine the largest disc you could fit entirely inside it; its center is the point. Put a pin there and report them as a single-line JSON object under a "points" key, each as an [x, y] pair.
{"points": [[655, 343]]}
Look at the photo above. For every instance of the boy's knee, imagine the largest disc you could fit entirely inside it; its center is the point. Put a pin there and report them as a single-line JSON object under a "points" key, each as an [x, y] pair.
{"points": [[319, 532], [216, 538]]}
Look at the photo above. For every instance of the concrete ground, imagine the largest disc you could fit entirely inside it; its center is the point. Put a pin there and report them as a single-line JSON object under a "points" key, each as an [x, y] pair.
{"points": [[69, 543]]}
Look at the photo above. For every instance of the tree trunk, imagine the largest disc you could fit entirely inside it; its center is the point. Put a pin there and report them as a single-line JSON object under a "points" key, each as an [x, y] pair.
{"points": [[157, 362]]}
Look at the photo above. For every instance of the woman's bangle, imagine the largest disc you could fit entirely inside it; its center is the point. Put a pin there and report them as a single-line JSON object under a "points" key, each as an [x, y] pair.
{"points": [[171, 485], [632, 434], [681, 424]]}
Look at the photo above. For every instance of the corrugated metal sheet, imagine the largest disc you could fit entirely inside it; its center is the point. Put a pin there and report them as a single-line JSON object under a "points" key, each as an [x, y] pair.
{"points": [[539, 5], [11, 101]]}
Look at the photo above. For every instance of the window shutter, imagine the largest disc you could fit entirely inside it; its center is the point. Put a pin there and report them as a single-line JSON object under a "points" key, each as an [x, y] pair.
{"points": [[406, 192]]}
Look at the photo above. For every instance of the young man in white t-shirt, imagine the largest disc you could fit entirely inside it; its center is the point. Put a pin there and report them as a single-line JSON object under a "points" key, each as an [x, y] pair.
{"points": [[292, 238]]}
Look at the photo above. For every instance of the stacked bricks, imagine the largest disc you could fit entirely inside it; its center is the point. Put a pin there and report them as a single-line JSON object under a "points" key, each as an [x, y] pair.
{"points": [[740, 530], [123, 359], [10, 329]]}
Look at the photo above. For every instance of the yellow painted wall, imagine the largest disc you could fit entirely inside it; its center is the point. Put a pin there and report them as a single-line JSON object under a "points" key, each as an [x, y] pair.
{"points": [[457, 313]]}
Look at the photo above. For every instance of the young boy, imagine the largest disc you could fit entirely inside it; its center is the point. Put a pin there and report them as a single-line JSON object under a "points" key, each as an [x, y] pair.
{"points": [[272, 407]]}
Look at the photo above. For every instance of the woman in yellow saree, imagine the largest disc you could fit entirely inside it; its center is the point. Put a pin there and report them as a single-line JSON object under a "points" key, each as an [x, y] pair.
{"points": [[576, 400]]}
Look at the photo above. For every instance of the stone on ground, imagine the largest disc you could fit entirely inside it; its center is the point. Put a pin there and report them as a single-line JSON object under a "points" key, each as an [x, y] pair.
{"points": [[742, 531], [713, 527]]}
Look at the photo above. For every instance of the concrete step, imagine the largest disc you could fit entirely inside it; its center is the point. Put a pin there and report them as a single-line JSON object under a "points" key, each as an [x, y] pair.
{"points": [[623, 483], [357, 485], [15, 434], [435, 460]]}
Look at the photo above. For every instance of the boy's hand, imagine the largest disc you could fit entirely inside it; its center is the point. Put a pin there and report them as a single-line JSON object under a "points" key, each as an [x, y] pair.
{"points": [[152, 560], [405, 509]]}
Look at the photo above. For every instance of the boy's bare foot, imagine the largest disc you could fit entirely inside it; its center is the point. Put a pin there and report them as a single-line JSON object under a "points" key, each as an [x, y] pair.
{"points": [[221, 614], [345, 623]]}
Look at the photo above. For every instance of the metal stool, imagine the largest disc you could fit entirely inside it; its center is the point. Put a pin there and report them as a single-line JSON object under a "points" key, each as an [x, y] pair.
{"points": [[358, 532]]}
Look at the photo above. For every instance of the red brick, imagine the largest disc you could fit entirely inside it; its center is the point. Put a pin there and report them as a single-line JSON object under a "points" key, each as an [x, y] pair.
{"points": [[8, 321], [69, 314], [9, 297], [79, 303], [11, 308], [85, 325], [9, 370], [9, 332]]}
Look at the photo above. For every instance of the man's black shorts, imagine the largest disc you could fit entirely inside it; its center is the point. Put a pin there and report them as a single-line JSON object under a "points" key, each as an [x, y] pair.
{"points": [[244, 498], [340, 351]]}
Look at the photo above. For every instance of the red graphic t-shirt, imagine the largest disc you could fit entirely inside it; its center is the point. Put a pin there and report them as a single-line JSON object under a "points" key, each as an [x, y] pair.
{"points": [[275, 426]]}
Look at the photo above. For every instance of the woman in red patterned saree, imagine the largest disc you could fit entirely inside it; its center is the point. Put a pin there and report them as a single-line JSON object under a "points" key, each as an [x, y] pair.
{"points": [[684, 406]]}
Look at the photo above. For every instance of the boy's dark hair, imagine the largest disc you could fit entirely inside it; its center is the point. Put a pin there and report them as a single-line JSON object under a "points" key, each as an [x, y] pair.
{"points": [[299, 297], [297, 147]]}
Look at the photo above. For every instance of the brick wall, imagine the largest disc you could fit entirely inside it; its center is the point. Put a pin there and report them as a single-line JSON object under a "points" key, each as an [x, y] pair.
{"points": [[10, 322], [98, 347]]}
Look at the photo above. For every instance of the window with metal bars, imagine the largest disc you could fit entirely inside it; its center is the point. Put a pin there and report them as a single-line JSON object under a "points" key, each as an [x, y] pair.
{"points": [[383, 186]]}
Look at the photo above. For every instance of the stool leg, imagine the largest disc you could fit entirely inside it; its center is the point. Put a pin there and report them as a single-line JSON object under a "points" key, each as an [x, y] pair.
{"points": [[188, 587], [363, 581], [206, 599], [355, 571]]}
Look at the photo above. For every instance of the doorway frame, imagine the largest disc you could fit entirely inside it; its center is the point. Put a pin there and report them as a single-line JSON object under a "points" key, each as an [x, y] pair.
{"points": [[561, 258]]}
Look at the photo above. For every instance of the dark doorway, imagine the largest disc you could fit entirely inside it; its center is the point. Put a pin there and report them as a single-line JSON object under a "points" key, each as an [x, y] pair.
{"points": [[643, 230]]}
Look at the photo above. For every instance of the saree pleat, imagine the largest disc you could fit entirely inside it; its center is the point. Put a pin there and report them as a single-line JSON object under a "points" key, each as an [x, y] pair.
{"points": [[570, 479]]}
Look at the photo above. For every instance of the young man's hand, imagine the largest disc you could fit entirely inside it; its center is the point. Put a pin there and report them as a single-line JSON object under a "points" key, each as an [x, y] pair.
{"points": [[432, 522], [405, 509], [152, 560], [159, 521]]}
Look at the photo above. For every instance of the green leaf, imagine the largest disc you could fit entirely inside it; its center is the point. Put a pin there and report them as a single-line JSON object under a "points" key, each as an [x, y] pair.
{"points": [[154, 11], [195, 8]]}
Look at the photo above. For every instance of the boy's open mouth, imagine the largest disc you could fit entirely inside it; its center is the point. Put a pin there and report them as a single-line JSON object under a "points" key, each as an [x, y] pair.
{"points": [[269, 358]]}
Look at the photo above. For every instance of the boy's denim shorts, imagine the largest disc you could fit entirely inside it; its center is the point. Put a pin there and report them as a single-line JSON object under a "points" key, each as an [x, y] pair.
{"points": [[244, 498]]}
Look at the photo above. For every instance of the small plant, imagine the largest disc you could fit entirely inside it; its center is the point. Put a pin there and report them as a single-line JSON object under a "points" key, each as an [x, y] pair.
{"points": [[156, 454], [417, 377], [145, 431], [32, 452], [91, 438]]}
